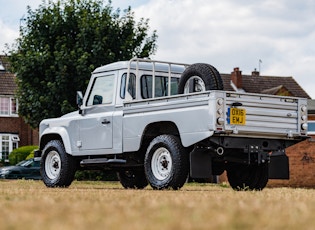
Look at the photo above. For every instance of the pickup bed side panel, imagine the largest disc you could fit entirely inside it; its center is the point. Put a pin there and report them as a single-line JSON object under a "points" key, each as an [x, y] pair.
{"points": [[191, 116]]}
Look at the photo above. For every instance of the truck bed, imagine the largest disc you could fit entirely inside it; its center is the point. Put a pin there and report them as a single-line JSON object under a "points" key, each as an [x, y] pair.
{"points": [[266, 116], [271, 116]]}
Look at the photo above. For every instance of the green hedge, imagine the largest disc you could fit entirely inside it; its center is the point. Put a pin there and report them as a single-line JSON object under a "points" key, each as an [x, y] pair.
{"points": [[21, 154]]}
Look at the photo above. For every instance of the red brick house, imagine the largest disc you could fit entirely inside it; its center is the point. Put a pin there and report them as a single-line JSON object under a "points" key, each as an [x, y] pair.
{"points": [[13, 130]]}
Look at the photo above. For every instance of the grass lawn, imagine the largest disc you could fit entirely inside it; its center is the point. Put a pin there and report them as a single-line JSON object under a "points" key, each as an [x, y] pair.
{"points": [[106, 205]]}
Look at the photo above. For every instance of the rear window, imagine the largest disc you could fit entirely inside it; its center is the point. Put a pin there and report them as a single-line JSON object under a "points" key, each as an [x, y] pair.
{"points": [[161, 86]]}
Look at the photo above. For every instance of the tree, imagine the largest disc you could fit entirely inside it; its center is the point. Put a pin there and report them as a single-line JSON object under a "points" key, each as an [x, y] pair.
{"points": [[62, 43]]}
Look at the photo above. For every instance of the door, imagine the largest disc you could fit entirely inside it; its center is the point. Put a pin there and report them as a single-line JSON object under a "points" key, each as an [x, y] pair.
{"points": [[96, 131], [96, 123]]}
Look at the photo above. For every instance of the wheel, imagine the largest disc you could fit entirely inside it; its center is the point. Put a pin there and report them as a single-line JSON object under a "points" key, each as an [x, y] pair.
{"points": [[200, 77], [134, 179], [264, 176], [248, 177], [166, 163], [57, 167]]}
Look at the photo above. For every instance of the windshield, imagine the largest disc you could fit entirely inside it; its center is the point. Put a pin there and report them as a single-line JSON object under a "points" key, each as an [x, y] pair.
{"points": [[25, 163], [102, 90]]}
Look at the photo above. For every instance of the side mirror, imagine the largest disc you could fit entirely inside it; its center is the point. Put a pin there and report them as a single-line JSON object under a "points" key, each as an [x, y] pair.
{"points": [[79, 98]]}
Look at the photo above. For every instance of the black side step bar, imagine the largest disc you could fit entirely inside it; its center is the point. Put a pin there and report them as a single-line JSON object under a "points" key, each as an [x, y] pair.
{"points": [[101, 161]]}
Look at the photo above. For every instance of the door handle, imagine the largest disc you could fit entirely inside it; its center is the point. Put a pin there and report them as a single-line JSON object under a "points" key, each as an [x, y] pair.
{"points": [[105, 122]]}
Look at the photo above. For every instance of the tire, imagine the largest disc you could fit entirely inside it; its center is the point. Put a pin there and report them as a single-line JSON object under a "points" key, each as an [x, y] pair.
{"points": [[248, 177], [132, 179], [57, 167], [166, 163], [218, 77], [200, 77]]}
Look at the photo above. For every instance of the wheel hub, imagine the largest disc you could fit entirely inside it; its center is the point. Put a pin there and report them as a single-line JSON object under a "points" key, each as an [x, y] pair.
{"points": [[161, 164], [52, 165], [195, 84], [164, 163]]}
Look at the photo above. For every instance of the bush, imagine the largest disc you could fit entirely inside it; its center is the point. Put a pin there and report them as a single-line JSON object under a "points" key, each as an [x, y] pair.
{"points": [[21, 154]]}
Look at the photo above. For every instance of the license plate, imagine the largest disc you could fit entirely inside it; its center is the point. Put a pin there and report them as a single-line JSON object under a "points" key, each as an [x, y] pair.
{"points": [[237, 116]]}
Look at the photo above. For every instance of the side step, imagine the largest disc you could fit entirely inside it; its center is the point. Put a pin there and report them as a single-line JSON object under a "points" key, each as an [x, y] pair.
{"points": [[101, 161]]}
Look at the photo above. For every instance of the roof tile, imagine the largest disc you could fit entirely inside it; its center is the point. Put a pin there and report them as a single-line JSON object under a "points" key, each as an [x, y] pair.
{"points": [[261, 84]]}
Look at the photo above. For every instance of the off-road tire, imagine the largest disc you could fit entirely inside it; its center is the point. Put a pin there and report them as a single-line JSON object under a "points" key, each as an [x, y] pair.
{"points": [[209, 75], [218, 77], [132, 179], [166, 163], [57, 167], [248, 177]]}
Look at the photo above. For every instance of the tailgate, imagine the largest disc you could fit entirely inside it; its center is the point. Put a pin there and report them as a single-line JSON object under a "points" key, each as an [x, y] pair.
{"points": [[265, 115]]}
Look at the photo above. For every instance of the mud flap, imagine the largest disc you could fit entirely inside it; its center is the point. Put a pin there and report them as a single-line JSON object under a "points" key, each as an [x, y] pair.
{"points": [[279, 166], [200, 164]]}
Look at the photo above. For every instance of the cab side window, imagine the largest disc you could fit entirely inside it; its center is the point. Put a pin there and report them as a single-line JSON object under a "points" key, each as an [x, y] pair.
{"points": [[131, 86], [102, 91]]}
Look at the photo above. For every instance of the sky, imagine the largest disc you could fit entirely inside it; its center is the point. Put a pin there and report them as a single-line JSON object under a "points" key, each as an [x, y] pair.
{"points": [[276, 38]]}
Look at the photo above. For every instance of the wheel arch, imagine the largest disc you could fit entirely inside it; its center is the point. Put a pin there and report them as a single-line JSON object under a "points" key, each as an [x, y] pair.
{"points": [[155, 129], [56, 134]]}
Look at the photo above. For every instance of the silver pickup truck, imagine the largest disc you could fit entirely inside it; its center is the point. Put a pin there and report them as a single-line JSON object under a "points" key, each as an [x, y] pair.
{"points": [[159, 123]]}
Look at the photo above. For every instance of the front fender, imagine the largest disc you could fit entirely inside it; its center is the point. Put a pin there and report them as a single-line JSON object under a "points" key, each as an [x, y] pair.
{"points": [[51, 133]]}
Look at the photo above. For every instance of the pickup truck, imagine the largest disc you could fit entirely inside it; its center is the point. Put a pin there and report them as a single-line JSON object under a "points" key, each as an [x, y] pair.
{"points": [[159, 123]]}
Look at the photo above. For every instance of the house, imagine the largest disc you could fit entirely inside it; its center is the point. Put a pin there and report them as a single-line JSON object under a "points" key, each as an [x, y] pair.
{"points": [[301, 155], [14, 132], [254, 83]]}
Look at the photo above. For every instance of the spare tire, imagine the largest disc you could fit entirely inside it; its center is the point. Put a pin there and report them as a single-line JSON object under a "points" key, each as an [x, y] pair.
{"points": [[200, 77]]}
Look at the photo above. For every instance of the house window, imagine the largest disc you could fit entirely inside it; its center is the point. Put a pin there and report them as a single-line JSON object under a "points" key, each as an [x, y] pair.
{"points": [[13, 106], [5, 147], [8, 142], [8, 106], [4, 105], [311, 128]]}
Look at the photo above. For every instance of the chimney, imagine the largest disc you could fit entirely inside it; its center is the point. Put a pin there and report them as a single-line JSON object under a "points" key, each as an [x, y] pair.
{"points": [[255, 73], [236, 77]]}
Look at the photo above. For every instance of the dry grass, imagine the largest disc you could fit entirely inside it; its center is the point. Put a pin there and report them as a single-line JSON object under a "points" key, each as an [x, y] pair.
{"points": [[105, 205]]}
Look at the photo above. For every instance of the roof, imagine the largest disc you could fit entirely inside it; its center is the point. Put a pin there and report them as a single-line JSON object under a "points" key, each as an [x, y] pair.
{"points": [[279, 90], [266, 85], [8, 85]]}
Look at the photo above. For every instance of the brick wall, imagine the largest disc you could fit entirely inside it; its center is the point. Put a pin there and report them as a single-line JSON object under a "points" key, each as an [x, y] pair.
{"points": [[302, 165], [16, 125]]}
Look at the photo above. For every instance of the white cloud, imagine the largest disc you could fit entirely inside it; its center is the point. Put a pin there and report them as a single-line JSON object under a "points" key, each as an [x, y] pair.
{"points": [[229, 33], [7, 35], [11, 14]]}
